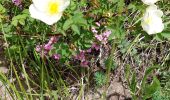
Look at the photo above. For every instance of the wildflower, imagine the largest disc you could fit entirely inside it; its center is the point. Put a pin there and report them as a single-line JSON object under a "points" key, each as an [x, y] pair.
{"points": [[104, 36], [84, 63], [93, 29], [99, 37], [47, 47], [149, 2], [152, 21], [56, 56], [89, 50], [98, 24], [38, 48], [80, 56], [48, 11], [95, 46], [107, 33], [16, 2], [53, 40]]}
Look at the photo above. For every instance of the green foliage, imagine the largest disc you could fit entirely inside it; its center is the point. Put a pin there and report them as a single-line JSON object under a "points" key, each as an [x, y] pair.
{"points": [[46, 77], [158, 95], [100, 78], [145, 90]]}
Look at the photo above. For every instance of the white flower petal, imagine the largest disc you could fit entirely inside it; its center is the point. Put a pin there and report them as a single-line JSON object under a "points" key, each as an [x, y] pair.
{"points": [[43, 16], [65, 4], [149, 2], [153, 9], [41, 5], [48, 11], [152, 21]]}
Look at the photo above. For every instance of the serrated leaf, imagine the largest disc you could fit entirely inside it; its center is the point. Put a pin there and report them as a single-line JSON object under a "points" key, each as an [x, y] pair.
{"points": [[75, 28], [67, 24]]}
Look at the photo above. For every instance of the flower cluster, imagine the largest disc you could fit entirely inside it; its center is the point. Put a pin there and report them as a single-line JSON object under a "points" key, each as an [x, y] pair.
{"points": [[43, 50], [17, 3], [103, 37], [151, 21], [48, 11], [82, 55]]}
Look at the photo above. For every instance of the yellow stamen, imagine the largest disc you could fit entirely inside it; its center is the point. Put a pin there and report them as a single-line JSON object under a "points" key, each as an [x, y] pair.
{"points": [[53, 8], [148, 20]]}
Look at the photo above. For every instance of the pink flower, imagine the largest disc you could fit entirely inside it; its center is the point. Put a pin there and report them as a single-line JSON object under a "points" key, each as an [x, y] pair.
{"points": [[93, 29], [38, 48], [99, 37], [56, 56], [47, 47], [104, 36], [16, 2], [84, 63], [80, 56], [98, 24], [88, 50], [95, 46], [53, 40], [107, 33]]}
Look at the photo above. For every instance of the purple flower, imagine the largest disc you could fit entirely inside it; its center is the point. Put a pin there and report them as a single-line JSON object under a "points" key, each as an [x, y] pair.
{"points": [[104, 36], [53, 40], [16, 2], [84, 63], [95, 46], [107, 33], [98, 24], [80, 56], [56, 56], [99, 37], [47, 47], [94, 30], [38, 48], [88, 50]]}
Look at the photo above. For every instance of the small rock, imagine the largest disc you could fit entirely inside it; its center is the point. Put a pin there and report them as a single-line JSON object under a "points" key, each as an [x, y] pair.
{"points": [[3, 70], [114, 98], [115, 87]]}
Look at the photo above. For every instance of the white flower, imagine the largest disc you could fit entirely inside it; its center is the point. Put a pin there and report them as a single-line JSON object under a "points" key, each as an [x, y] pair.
{"points": [[48, 11], [152, 21], [149, 2]]}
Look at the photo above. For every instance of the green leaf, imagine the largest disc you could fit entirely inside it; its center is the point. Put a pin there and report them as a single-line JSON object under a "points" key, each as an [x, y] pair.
{"points": [[121, 5], [158, 37], [67, 24], [110, 63], [147, 72], [79, 19], [133, 83], [149, 90], [14, 22], [2, 9], [166, 35], [22, 21], [127, 73], [112, 35], [75, 28]]}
